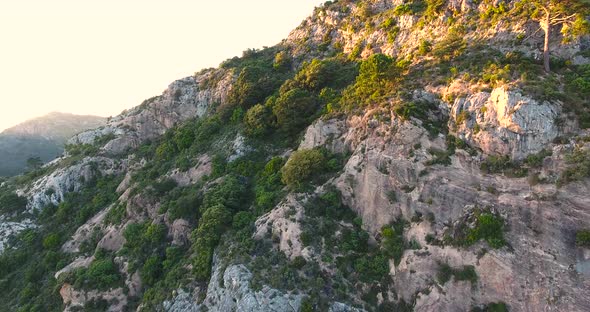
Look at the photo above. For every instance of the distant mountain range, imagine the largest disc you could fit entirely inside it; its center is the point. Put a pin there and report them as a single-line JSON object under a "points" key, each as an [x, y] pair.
{"points": [[42, 137]]}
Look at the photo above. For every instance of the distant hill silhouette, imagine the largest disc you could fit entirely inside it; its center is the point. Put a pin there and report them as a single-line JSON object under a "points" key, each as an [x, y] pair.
{"points": [[42, 137]]}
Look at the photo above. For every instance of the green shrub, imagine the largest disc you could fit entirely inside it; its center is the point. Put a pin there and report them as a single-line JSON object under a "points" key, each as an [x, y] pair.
{"points": [[393, 242], [258, 120], [373, 268], [116, 214], [282, 61], [452, 46], [425, 47], [466, 273], [294, 110], [151, 270], [329, 73], [11, 203], [102, 274], [503, 165], [185, 207], [374, 82], [52, 241], [303, 166], [583, 238], [492, 307], [206, 237], [269, 185], [490, 228], [578, 167]]}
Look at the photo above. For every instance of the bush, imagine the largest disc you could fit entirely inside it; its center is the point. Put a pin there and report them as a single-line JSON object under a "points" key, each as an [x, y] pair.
{"points": [[504, 165], [583, 238], [258, 120], [294, 110], [492, 307], [207, 236], [102, 274], [151, 270], [578, 167], [116, 214], [269, 185], [490, 228], [453, 45], [10, 202], [329, 73], [466, 273], [303, 166], [393, 242], [282, 61], [376, 79], [52, 241]]}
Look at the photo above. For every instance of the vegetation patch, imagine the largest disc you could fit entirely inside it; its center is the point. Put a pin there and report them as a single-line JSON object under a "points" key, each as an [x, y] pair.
{"points": [[480, 224], [466, 273]]}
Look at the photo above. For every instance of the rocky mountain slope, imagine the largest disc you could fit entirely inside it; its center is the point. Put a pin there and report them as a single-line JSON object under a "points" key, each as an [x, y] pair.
{"points": [[387, 156], [42, 137]]}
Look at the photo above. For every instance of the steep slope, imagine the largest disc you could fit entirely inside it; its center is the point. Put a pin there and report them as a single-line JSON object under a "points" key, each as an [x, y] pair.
{"points": [[386, 156], [42, 137]]}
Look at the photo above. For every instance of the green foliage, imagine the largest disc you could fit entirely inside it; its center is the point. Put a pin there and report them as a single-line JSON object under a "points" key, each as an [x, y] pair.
{"points": [[536, 160], [503, 165], [10, 202], [303, 166], [583, 238], [52, 241], [151, 270], [102, 274], [294, 110], [258, 120], [425, 47], [488, 226], [219, 205], [212, 225], [424, 111], [81, 149], [269, 185], [492, 307], [184, 207], [143, 239], [393, 242], [376, 79], [261, 74], [116, 214], [466, 273], [452, 46], [282, 61], [578, 167], [331, 73]]}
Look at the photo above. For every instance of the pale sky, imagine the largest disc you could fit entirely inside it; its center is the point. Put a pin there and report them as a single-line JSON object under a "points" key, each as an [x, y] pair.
{"points": [[102, 56]]}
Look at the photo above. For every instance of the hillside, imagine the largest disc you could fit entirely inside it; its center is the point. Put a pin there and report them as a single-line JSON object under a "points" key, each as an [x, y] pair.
{"points": [[386, 156], [42, 137]]}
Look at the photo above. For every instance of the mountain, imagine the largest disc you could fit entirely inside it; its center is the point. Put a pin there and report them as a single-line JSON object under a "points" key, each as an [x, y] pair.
{"points": [[386, 156], [42, 137]]}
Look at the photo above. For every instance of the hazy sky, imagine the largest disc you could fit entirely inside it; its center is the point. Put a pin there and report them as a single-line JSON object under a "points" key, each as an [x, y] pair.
{"points": [[102, 56]]}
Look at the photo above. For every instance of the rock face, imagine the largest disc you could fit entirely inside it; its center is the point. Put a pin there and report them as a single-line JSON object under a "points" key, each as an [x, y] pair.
{"points": [[52, 188], [283, 222], [393, 157], [9, 229], [229, 290], [185, 98], [505, 122]]}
